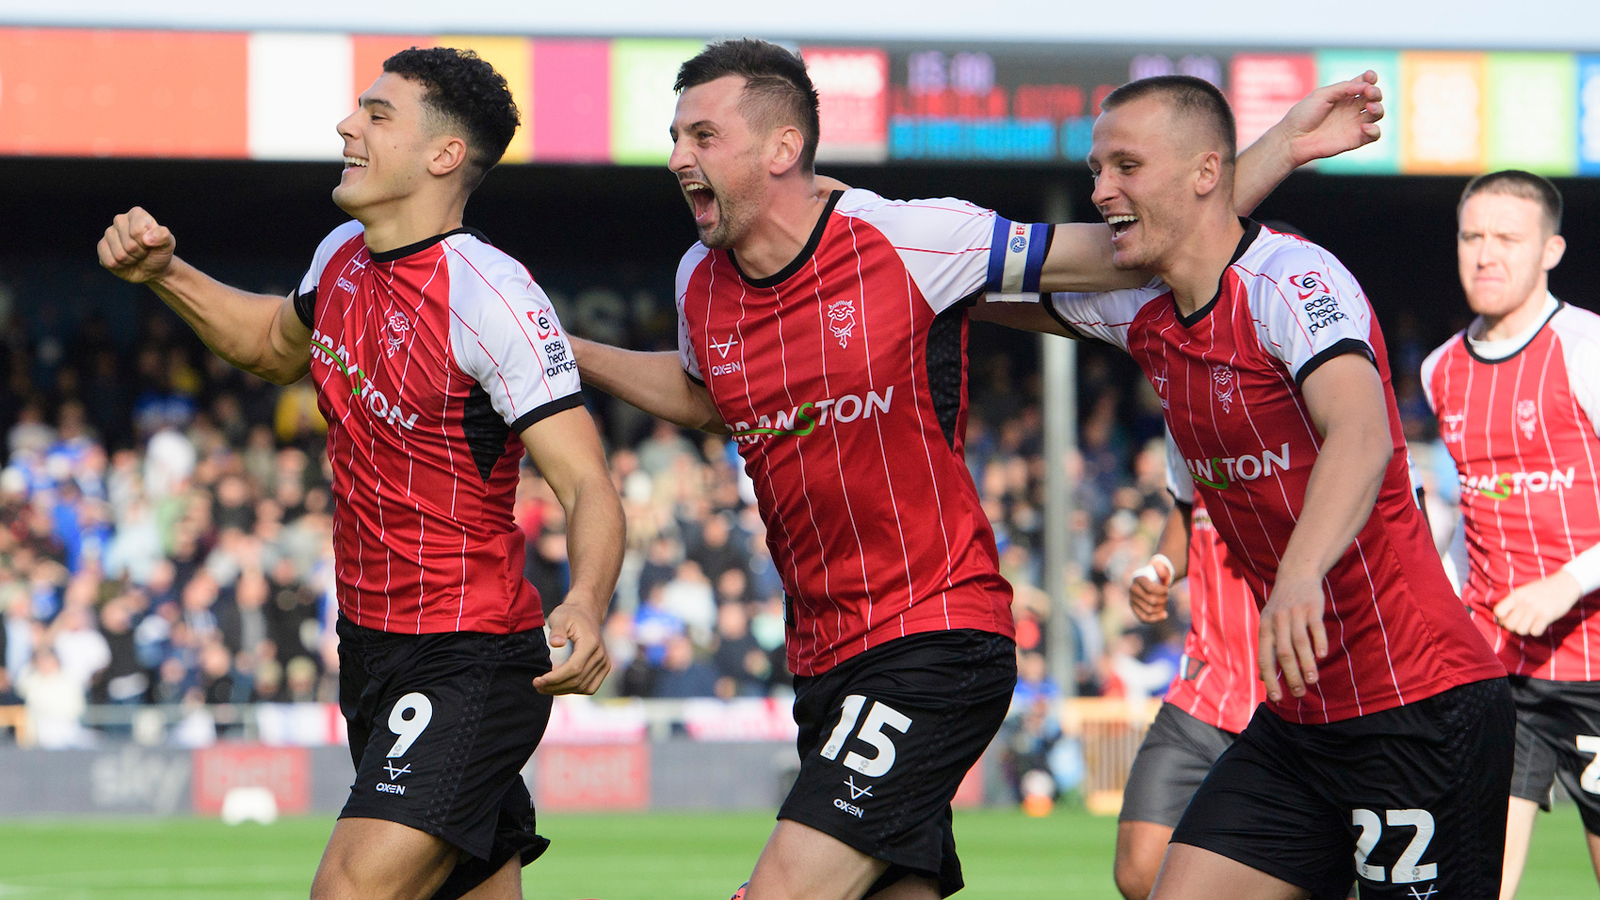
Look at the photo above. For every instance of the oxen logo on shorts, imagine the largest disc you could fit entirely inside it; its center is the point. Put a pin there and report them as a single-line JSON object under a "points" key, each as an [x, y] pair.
{"points": [[399, 325], [1223, 381], [842, 320], [1527, 417]]}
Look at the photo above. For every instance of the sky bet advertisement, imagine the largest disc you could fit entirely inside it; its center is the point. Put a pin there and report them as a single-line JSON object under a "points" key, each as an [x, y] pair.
{"points": [[276, 95]]}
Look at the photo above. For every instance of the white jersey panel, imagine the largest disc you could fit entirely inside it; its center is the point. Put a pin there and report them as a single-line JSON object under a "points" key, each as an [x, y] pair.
{"points": [[504, 333], [1579, 331], [1179, 482], [1306, 305], [686, 267], [336, 238], [945, 244], [1104, 316]]}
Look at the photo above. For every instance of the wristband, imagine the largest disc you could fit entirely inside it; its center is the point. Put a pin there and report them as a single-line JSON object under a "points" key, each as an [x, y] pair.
{"points": [[1148, 570], [1585, 567], [1171, 569]]}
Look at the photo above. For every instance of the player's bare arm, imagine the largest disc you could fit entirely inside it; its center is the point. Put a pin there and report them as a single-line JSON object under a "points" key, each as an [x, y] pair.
{"points": [[567, 451], [255, 332], [1346, 400], [654, 382], [1330, 120], [1152, 582]]}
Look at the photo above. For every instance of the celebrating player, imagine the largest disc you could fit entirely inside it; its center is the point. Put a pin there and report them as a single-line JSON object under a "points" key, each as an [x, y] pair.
{"points": [[1213, 696], [826, 331], [437, 361], [1517, 395], [1385, 744]]}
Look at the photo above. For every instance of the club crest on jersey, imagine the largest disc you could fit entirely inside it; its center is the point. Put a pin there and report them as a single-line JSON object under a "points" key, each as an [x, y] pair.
{"points": [[1452, 426], [1223, 381], [396, 332], [1527, 417], [842, 320]]}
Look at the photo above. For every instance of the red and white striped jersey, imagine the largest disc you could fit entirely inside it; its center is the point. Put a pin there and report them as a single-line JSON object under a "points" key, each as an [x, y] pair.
{"points": [[1229, 380], [1520, 425], [1218, 681], [430, 361], [843, 378]]}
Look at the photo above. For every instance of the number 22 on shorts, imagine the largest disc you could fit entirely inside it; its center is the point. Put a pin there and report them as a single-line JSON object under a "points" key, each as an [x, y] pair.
{"points": [[1409, 867], [409, 729], [871, 732]]}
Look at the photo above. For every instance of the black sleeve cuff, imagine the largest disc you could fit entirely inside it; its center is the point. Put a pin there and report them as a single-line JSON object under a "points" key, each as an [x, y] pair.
{"points": [[305, 306], [1340, 348], [1050, 307], [560, 404], [692, 377]]}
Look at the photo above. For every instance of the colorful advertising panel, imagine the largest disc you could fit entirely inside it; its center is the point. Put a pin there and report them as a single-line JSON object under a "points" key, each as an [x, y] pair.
{"points": [[853, 92], [1533, 112], [1446, 106], [642, 101], [1381, 157], [299, 90], [571, 115], [512, 57], [1589, 115], [1265, 86]]}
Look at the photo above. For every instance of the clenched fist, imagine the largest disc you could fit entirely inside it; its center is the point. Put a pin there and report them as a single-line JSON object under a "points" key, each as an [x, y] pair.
{"points": [[135, 248]]}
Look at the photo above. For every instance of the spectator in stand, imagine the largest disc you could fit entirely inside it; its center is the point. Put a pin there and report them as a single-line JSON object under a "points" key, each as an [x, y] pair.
{"points": [[743, 668], [717, 551], [123, 680], [682, 675], [55, 702]]}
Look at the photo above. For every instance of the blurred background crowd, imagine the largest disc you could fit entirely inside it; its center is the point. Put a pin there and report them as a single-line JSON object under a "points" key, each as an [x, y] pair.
{"points": [[165, 527]]}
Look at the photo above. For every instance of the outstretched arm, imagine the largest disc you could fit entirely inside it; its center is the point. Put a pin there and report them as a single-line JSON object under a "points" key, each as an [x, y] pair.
{"points": [[566, 449], [1345, 398], [258, 333], [654, 382]]}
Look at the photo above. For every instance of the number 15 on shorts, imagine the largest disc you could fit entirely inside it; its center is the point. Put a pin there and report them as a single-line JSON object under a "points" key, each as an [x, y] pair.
{"points": [[881, 716]]}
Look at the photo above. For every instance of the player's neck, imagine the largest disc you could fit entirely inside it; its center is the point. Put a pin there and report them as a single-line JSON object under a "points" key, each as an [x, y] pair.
{"points": [[781, 229], [1194, 268], [1515, 322], [407, 221]]}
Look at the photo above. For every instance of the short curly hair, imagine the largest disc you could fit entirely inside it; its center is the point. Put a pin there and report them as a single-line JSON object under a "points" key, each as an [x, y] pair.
{"points": [[467, 93]]}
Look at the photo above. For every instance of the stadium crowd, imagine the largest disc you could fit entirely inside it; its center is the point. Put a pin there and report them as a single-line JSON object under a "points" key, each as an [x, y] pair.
{"points": [[166, 539]]}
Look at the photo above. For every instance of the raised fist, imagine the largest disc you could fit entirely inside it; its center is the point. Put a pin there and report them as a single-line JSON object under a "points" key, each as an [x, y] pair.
{"points": [[135, 248]]}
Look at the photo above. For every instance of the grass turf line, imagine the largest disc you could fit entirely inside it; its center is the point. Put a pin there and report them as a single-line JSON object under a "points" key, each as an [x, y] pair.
{"points": [[645, 856]]}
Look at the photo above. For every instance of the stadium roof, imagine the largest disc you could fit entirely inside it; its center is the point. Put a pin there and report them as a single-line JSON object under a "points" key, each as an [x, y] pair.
{"points": [[1480, 24]]}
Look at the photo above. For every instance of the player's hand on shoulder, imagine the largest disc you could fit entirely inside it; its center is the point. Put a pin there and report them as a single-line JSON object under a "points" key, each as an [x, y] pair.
{"points": [[1149, 591], [588, 664], [1335, 118], [1531, 609], [136, 248], [1292, 636]]}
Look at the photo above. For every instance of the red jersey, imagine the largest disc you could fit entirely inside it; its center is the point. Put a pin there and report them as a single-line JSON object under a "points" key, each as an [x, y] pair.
{"points": [[1229, 380], [843, 378], [429, 362], [1520, 425], [1218, 681]]}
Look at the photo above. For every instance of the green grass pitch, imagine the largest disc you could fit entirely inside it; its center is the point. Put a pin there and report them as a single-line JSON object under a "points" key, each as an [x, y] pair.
{"points": [[651, 856]]}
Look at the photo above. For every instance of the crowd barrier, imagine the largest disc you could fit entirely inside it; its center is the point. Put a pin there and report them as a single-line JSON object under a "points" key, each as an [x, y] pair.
{"points": [[597, 755]]}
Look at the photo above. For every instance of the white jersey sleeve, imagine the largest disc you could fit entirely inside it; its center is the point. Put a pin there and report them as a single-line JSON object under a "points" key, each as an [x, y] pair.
{"points": [[1430, 365], [1103, 316], [686, 267], [1307, 307], [1579, 330], [1179, 481], [504, 335], [952, 248], [305, 296]]}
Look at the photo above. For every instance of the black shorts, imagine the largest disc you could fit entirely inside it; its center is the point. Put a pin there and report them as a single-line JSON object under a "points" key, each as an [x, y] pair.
{"points": [[1558, 736], [441, 726], [1416, 794], [1177, 753], [886, 738]]}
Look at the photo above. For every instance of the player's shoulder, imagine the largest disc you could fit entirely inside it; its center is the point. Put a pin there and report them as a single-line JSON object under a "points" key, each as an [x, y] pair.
{"points": [[865, 204], [341, 235], [1455, 344], [483, 274], [1576, 326], [691, 261], [1281, 257]]}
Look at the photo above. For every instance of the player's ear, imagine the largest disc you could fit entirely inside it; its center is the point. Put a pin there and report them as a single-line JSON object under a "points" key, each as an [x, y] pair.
{"points": [[1554, 248], [449, 154], [1208, 174], [786, 145]]}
